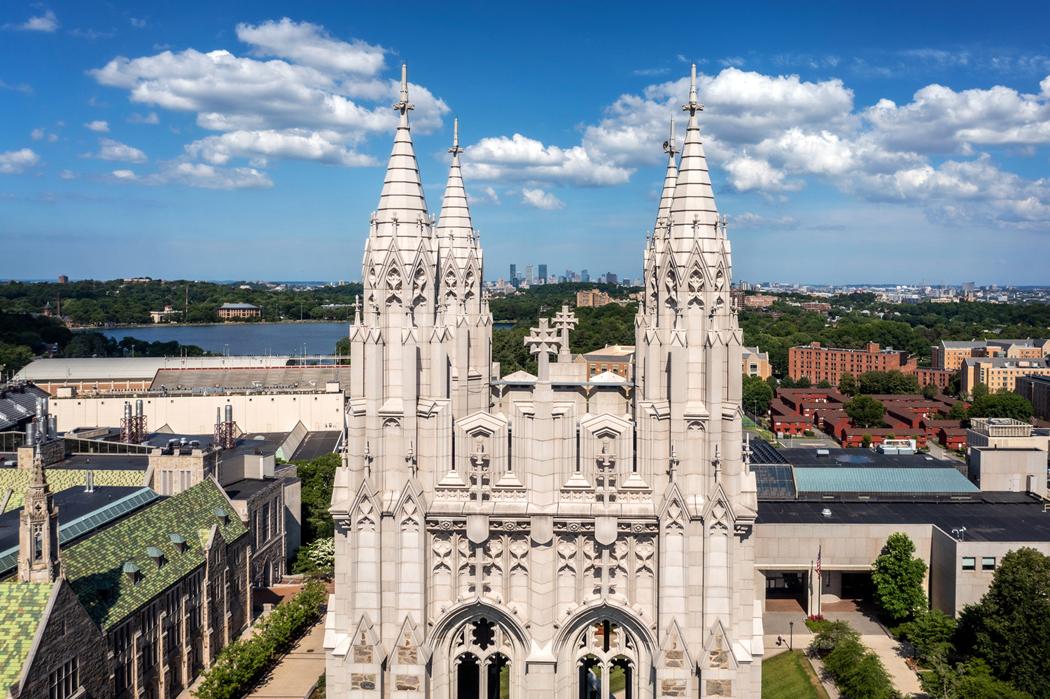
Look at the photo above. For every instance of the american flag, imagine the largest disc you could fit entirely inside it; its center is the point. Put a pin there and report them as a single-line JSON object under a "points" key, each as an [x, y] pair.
{"points": [[818, 561]]}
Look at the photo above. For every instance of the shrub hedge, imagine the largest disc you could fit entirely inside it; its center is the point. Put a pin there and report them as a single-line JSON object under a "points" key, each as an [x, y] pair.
{"points": [[242, 662], [857, 671]]}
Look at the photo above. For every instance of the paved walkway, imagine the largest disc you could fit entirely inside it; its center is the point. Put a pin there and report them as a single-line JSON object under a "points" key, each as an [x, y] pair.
{"points": [[298, 671], [875, 637]]}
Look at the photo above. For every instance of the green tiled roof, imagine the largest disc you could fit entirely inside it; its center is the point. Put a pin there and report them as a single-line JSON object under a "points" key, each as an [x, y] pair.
{"points": [[93, 566], [62, 479], [21, 609]]}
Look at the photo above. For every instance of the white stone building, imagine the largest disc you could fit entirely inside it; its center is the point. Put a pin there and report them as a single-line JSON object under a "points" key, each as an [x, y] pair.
{"points": [[553, 535]]}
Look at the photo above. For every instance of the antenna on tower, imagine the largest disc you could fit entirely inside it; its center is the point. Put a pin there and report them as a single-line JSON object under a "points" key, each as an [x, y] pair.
{"points": [[669, 144], [455, 149]]}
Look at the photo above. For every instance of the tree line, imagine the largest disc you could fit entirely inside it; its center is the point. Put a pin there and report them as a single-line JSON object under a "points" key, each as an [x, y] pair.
{"points": [[118, 302]]}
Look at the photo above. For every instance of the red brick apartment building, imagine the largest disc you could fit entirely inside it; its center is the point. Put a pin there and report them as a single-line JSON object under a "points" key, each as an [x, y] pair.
{"points": [[830, 363]]}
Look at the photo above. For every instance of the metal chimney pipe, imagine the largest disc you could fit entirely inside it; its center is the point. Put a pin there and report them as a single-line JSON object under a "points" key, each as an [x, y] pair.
{"points": [[52, 426], [30, 434], [229, 413], [138, 408]]}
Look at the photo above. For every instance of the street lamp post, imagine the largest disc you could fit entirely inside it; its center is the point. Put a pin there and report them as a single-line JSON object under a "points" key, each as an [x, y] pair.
{"points": [[791, 635]]}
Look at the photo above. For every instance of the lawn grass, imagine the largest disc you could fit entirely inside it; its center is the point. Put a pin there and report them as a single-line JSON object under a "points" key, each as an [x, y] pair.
{"points": [[790, 676]]}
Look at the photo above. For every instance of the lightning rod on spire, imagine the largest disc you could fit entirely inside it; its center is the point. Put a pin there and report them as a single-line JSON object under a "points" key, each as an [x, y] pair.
{"points": [[455, 138], [693, 107], [403, 105]]}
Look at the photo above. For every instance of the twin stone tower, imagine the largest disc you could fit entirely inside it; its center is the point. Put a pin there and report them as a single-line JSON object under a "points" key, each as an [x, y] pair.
{"points": [[559, 535]]}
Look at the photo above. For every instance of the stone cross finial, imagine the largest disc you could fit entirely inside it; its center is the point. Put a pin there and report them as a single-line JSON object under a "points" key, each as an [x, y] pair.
{"points": [[565, 320], [606, 463], [543, 341], [357, 309], [747, 450], [717, 464], [672, 463], [479, 468]]}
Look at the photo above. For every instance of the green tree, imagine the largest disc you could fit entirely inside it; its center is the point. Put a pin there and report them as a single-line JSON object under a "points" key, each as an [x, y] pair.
{"points": [[756, 395], [803, 382], [930, 633], [13, 358], [848, 384], [886, 382], [929, 391], [1009, 629], [979, 391], [897, 576], [1002, 405], [958, 411], [865, 411], [317, 477]]}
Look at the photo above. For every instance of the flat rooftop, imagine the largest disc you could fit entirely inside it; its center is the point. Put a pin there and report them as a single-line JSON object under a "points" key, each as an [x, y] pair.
{"points": [[987, 517], [856, 458]]}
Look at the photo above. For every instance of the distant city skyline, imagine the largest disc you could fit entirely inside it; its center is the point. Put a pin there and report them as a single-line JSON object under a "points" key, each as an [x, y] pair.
{"points": [[848, 144]]}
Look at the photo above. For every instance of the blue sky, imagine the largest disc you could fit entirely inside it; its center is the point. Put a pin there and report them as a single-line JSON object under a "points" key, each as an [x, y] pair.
{"points": [[905, 142]]}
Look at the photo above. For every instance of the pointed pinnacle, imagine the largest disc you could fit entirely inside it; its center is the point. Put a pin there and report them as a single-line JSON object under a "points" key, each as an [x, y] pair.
{"points": [[455, 149], [669, 144], [693, 107], [403, 105]]}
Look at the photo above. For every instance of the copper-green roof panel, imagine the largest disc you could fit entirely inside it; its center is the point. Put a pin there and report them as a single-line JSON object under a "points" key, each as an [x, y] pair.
{"points": [[22, 607], [94, 566]]}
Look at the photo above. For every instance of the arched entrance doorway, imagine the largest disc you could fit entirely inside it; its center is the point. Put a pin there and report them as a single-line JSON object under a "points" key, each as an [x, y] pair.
{"points": [[481, 652]]}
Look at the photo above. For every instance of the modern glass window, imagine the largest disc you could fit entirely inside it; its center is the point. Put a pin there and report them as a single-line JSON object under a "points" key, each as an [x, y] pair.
{"points": [[969, 563], [988, 563]]}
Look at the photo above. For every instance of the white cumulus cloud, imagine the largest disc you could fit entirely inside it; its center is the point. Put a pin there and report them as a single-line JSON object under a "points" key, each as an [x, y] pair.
{"points": [[310, 45], [124, 175], [13, 162], [46, 23], [541, 199], [110, 149], [98, 126], [290, 144]]}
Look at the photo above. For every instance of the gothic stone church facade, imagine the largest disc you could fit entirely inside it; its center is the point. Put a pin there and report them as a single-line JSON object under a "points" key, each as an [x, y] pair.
{"points": [[556, 535]]}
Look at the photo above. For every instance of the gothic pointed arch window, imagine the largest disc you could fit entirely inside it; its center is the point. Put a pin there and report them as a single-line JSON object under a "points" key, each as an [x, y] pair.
{"points": [[481, 661], [419, 286], [393, 286], [695, 285], [606, 662]]}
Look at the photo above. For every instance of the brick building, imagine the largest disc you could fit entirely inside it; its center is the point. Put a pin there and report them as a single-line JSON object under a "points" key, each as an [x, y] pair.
{"points": [[756, 363], [998, 373], [819, 363], [949, 354], [941, 378], [137, 608], [615, 358], [239, 311], [592, 298], [1037, 390], [758, 301]]}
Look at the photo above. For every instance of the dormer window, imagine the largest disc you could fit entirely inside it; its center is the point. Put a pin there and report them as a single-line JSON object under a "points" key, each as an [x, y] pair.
{"points": [[132, 572], [178, 541], [156, 555], [222, 515]]}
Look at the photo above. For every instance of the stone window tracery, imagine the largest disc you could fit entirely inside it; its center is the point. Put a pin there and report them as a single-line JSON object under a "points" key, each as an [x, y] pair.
{"points": [[606, 661], [481, 653]]}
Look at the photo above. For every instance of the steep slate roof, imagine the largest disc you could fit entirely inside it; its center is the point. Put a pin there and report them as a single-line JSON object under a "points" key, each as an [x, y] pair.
{"points": [[62, 479], [22, 607], [93, 566]]}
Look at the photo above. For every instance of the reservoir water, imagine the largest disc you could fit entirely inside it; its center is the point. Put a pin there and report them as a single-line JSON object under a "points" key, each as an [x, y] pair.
{"points": [[246, 338]]}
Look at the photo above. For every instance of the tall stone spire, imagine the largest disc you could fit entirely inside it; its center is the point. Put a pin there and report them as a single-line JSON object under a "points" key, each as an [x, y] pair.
{"points": [[670, 178], [38, 554], [693, 211], [454, 229], [402, 210]]}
